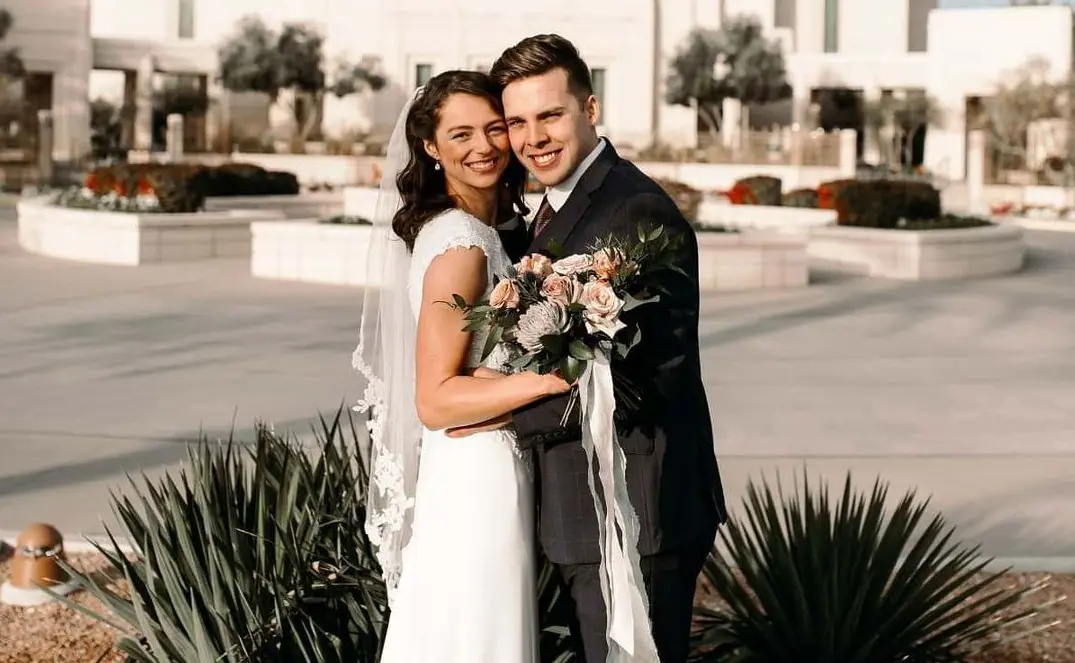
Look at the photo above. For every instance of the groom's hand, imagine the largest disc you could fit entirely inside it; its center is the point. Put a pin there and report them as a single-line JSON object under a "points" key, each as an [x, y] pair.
{"points": [[496, 423]]}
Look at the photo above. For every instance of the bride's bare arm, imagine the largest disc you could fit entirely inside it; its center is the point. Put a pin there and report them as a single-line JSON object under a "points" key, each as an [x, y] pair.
{"points": [[445, 395]]}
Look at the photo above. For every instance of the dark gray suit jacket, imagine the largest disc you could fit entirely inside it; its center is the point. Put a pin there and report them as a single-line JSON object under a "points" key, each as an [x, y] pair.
{"points": [[672, 474]]}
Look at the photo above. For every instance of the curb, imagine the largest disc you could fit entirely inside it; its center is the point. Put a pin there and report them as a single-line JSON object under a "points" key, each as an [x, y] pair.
{"points": [[79, 544]]}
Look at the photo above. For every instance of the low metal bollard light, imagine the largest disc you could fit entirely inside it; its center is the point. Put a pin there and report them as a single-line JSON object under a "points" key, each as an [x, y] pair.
{"points": [[34, 565]]}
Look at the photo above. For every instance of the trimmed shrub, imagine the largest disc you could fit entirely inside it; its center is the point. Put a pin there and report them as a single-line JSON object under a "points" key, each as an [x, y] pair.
{"points": [[827, 192], [687, 198], [741, 194], [764, 190], [800, 198], [186, 186], [884, 203], [174, 186]]}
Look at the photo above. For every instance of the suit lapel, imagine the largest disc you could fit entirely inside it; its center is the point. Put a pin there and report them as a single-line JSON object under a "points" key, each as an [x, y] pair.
{"points": [[564, 221]]}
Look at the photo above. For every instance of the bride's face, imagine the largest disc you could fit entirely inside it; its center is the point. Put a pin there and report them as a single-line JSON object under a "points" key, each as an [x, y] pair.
{"points": [[471, 143]]}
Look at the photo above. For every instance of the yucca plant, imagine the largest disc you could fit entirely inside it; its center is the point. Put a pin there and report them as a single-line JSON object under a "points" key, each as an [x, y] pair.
{"points": [[803, 578], [251, 554]]}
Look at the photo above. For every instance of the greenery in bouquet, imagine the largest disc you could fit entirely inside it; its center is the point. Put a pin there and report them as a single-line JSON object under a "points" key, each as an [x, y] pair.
{"points": [[560, 314]]}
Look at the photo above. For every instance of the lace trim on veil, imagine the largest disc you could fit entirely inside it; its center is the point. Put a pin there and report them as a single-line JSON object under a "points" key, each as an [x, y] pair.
{"points": [[386, 473]]}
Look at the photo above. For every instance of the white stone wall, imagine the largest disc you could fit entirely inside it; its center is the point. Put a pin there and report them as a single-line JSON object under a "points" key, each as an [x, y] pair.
{"points": [[53, 36]]}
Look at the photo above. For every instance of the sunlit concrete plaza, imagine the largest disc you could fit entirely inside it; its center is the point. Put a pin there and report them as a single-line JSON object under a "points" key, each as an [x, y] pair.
{"points": [[962, 389]]}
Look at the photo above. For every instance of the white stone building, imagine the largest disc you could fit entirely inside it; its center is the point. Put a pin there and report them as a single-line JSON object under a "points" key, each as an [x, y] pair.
{"points": [[871, 46]]}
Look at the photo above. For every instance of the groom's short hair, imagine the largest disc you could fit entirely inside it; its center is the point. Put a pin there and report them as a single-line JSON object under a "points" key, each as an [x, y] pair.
{"points": [[539, 55]]}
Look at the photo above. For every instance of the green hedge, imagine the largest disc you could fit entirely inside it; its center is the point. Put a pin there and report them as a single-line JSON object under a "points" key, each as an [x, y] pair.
{"points": [[883, 203], [184, 187], [763, 190], [800, 198]]}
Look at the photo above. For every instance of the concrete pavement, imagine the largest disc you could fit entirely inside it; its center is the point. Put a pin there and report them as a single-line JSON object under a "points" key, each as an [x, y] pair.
{"points": [[963, 389]]}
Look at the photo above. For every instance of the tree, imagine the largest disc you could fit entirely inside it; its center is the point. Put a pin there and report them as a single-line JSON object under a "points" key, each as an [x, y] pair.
{"points": [[11, 65], [898, 121], [735, 62], [258, 59], [1028, 96]]}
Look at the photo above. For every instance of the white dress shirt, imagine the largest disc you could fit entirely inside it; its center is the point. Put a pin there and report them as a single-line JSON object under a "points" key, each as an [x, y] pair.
{"points": [[557, 195]]}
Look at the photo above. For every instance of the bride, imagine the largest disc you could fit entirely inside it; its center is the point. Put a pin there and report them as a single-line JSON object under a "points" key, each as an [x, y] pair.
{"points": [[455, 542]]}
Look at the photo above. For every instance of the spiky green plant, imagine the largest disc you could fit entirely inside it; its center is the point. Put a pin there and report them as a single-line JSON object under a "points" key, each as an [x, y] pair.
{"points": [[806, 579], [248, 555]]}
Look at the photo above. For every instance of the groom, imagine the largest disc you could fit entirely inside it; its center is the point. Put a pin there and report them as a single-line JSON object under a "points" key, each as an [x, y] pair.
{"points": [[672, 475]]}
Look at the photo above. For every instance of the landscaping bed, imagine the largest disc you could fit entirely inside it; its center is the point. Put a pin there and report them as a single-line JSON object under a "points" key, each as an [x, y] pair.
{"points": [[124, 237], [58, 634]]}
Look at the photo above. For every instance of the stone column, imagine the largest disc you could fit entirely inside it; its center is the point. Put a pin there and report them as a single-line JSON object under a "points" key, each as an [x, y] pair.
{"points": [[216, 117], [871, 147], [848, 153], [975, 170], [143, 104], [130, 94], [731, 123], [174, 137], [45, 140]]}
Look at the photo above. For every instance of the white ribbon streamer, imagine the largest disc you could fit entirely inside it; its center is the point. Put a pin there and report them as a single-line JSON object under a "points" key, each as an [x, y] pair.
{"points": [[630, 635]]}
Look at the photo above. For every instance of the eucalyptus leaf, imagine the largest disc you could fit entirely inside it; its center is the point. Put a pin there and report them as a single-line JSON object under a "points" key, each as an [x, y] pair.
{"points": [[571, 368], [580, 351]]}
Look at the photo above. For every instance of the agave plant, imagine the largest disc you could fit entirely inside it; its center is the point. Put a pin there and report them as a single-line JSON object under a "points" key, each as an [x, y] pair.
{"points": [[251, 554], [806, 579]]}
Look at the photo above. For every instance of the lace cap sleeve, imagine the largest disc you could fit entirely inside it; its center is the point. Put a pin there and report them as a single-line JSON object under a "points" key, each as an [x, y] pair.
{"points": [[453, 229]]}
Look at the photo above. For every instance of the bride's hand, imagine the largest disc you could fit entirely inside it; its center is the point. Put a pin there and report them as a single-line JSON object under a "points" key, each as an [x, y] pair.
{"points": [[553, 384]]}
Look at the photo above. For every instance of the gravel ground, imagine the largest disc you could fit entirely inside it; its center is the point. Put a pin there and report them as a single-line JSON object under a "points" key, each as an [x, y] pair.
{"points": [[57, 634]]}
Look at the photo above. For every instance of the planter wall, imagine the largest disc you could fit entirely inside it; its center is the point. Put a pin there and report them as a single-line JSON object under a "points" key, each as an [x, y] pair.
{"points": [[751, 261], [921, 255], [314, 252], [300, 206], [362, 201], [340, 255], [121, 238], [764, 217]]}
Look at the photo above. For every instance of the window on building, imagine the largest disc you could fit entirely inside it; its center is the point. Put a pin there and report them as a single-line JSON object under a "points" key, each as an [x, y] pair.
{"points": [[832, 15], [422, 73], [186, 19], [597, 78], [784, 14]]}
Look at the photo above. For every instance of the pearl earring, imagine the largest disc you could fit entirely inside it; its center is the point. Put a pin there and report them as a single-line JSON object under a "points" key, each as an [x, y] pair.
{"points": [[436, 166]]}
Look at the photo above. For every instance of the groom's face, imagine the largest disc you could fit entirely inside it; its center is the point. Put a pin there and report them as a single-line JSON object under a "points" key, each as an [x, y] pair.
{"points": [[551, 130]]}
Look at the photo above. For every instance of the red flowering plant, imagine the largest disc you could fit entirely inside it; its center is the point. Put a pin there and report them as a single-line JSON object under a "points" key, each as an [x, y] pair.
{"points": [[561, 314]]}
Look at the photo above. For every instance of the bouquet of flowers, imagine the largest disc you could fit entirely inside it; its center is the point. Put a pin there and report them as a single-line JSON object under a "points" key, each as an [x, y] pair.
{"points": [[560, 314]]}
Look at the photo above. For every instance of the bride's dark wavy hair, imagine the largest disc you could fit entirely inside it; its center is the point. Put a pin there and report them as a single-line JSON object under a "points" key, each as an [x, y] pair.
{"points": [[421, 186]]}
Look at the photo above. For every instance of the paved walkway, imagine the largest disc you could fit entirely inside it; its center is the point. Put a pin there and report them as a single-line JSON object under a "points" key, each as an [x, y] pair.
{"points": [[963, 389]]}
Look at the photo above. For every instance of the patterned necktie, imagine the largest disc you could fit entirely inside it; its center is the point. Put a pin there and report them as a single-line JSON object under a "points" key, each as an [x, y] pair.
{"points": [[544, 214]]}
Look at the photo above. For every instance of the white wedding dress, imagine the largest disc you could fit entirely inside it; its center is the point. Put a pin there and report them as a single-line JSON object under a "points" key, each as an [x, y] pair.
{"points": [[467, 590]]}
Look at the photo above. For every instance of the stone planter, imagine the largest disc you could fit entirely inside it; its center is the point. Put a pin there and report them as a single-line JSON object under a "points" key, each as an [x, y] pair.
{"points": [[340, 254], [764, 217], [362, 201], [920, 255], [124, 238], [300, 206], [314, 252], [751, 261]]}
